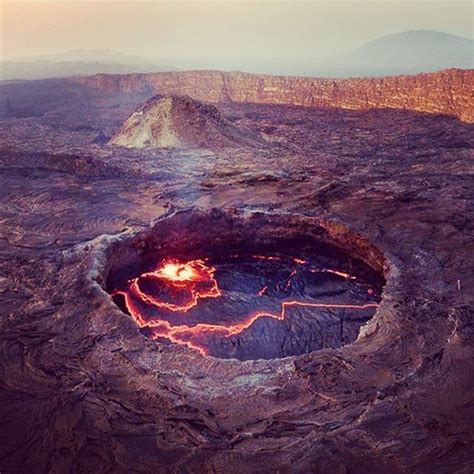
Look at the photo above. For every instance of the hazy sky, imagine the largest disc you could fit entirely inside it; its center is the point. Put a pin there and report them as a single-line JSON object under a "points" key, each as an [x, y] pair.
{"points": [[211, 30]]}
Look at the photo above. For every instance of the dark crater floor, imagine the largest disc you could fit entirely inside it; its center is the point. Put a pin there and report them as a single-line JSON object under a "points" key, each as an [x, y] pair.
{"points": [[84, 388], [233, 291]]}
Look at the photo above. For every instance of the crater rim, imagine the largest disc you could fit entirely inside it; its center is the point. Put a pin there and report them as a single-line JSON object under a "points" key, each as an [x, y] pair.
{"points": [[240, 227]]}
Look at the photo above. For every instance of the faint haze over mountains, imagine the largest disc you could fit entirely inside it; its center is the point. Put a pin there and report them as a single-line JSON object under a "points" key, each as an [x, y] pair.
{"points": [[77, 62], [404, 53], [326, 38]]}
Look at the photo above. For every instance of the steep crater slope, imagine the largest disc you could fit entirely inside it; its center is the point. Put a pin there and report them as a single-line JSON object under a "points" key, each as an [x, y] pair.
{"points": [[180, 122], [247, 285]]}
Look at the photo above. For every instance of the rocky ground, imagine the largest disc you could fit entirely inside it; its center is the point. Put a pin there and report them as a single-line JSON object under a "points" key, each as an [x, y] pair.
{"points": [[82, 390]]}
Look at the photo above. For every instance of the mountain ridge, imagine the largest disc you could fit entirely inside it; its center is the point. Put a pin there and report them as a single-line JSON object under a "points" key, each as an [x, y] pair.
{"points": [[407, 52]]}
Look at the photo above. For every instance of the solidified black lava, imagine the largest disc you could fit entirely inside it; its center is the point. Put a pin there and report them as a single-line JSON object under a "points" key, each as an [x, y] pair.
{"points": [[245, 287], [83, 390]]}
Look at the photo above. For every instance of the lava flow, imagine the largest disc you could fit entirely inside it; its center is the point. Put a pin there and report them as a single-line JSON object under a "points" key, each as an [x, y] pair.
{"points": [[161, 301], [189, 281]]}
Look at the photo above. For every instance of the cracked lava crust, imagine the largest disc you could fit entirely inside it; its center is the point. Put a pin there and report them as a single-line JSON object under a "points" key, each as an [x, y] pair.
{"points": [[244, 299]]}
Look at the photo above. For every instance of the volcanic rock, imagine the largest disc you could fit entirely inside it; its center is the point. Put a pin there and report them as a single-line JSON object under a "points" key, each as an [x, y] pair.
{"points": [[83, 390], [443, 92], [180, 122]]}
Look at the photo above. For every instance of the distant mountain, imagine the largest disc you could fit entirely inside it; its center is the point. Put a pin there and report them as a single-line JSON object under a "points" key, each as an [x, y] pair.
{"points": [[16, 70], [77, 63], [409, 52]]}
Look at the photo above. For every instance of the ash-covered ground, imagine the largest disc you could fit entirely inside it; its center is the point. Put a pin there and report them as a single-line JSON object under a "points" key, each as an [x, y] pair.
{"points": [[83, 390]]}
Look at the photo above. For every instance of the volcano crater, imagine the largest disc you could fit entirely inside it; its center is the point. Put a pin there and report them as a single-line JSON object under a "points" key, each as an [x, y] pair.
{"points": [[243, 285]]}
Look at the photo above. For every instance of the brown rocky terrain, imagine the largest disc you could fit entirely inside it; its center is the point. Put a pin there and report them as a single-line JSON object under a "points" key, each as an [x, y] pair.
{"points": [[180, 122], [83, 389], [448, 92]]}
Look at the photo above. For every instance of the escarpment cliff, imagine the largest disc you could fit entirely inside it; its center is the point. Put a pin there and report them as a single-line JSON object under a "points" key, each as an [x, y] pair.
{"points": [[448, 92]]}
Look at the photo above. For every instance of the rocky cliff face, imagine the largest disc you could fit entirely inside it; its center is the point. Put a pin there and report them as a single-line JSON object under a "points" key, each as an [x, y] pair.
{"points": [[445, 92], [179, 122]]}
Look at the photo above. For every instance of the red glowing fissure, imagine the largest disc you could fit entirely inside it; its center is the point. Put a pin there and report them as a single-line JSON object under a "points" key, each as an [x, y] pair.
{"points": [[197, 281]]}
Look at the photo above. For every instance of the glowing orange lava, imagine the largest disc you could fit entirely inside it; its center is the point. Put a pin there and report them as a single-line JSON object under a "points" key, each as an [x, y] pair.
{"points": [[193, 281], [194, 278]]}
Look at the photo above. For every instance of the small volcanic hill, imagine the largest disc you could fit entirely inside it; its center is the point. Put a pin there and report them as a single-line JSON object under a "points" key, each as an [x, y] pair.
{"points": [[180, 122]]}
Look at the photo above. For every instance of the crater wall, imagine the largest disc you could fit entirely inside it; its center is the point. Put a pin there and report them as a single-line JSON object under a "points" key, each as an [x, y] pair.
{"points": [[445, 92]]}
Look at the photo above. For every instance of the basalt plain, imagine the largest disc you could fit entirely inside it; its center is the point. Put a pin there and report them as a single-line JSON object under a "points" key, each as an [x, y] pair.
{"points": [[386, 170]]}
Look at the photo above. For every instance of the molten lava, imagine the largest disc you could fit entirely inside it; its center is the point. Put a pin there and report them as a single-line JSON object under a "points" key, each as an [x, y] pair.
{"points": [[185, 282], [159, 300]]}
